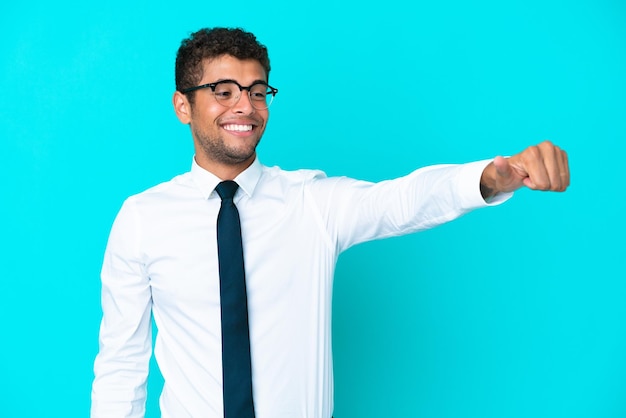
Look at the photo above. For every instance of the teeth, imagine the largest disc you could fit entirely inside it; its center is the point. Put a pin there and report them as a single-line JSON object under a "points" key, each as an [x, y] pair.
{"points": [[238, 128]]}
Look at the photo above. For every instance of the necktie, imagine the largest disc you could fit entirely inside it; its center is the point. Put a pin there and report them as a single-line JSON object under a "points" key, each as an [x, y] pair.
{"points": [[236, 364]]}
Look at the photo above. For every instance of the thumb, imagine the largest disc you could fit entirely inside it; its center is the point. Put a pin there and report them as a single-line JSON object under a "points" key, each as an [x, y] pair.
{"points": [[511, 174], [503, 168]]}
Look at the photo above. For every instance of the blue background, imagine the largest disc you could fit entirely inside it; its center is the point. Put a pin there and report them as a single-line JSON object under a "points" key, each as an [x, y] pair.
{"points": [[515, 311]]}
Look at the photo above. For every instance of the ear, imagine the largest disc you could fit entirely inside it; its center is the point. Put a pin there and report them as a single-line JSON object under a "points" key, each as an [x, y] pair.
{"points": [[182, 107]]}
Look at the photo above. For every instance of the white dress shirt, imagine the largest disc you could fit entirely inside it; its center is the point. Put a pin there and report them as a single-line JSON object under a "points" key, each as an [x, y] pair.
{"points": [[161, 258]]}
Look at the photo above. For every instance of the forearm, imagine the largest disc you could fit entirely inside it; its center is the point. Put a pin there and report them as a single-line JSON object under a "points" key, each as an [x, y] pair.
{"points": [[122, 364]]}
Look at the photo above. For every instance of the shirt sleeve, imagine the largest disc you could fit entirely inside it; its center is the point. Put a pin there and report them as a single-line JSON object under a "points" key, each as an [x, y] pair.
{"points": [[121, 366], [357, 211]]}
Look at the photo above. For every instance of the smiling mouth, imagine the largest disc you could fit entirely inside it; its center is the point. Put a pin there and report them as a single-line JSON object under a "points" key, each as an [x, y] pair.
{"points": [[237, 128]]}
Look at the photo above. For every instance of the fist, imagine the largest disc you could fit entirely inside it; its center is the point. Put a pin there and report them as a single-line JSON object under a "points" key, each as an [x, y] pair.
{"points": [[539, 167]]}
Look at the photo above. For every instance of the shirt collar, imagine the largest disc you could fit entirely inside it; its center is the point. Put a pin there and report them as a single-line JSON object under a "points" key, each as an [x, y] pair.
{"points": [[207, 181]]}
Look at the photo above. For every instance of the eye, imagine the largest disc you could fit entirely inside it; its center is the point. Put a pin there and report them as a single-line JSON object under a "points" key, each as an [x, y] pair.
{"points": [[258, 95], [225, 91], [223, 94], [258, 92]]}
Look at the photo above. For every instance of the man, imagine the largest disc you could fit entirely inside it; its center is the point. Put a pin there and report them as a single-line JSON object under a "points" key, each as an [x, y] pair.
{"points": [[166, 253]]}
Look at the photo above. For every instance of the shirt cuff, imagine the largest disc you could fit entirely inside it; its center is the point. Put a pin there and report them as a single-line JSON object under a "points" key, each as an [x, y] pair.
{"points": [[469, 186]]}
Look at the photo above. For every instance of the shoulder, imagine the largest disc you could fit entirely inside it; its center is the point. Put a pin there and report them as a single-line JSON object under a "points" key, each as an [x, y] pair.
{"points": [[302, 182], [296, 176], [292, 178], [180, 186]]}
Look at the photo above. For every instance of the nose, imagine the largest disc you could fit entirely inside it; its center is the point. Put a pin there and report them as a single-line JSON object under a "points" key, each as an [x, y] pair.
{"points": [[243, 105]]}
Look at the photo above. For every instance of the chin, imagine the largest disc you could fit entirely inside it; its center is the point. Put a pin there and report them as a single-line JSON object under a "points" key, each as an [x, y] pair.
{"points": [[241, 157]]}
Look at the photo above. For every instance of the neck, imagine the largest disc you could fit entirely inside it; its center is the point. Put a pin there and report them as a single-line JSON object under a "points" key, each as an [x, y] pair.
{"points": [[225, 171]]}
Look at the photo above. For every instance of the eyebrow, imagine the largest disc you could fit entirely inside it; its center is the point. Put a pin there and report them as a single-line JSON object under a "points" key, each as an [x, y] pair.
{"points": [[235, 81]]}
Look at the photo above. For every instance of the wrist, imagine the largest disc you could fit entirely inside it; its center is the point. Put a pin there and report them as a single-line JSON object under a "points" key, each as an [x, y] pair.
{"points": [[488, 182]]}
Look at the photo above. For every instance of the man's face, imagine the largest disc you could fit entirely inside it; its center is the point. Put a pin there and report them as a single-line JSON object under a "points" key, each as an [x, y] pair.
{"points": [[227, 136]]}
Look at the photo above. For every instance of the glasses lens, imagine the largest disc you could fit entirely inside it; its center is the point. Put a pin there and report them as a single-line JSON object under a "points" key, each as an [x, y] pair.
{"points": [[261, 96], [226, 93]]}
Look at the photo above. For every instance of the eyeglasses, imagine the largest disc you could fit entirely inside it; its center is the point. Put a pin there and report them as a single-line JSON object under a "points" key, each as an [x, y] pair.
{"points": [[228, 92]]}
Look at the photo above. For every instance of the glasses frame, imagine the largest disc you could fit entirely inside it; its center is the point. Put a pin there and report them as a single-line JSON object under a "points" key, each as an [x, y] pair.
{"points": [[273, 91]]}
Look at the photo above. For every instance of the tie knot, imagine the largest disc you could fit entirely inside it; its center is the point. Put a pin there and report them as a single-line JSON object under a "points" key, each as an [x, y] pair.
{"points": [[226, 189]]}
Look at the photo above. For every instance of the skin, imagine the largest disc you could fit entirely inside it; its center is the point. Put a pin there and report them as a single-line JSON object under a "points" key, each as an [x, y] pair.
{"points": [[220, 149], [226, 153], [539, 167]]}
